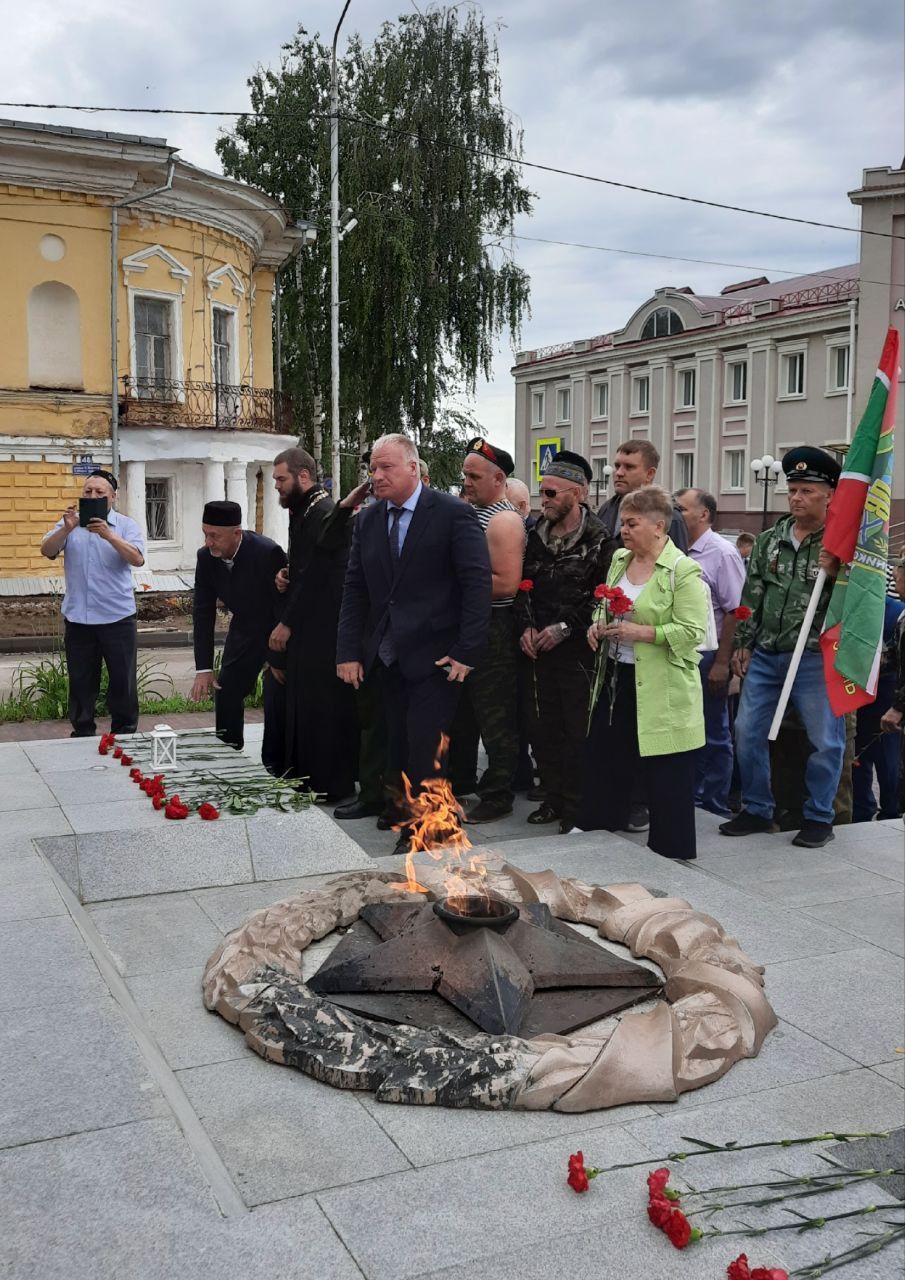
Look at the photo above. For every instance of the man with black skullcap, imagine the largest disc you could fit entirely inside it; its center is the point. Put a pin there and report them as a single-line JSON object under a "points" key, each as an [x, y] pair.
{"points": [[239, 568], [99, 607], [783, 565], [487, 707], [567, 555]]}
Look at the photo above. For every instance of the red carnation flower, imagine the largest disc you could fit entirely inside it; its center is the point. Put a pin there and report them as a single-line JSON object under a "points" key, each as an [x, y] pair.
{"points": [[600, 591], [659, 1210], [125, 760], [678, 1228], [738, 1270], [620, 605], [769, 1273], [136, 774], [657, 1181], [208, 812], [117, 753], [743, 613], [578, 1176], [526, 584], [176, 810], [102, 748], [158, 801]]}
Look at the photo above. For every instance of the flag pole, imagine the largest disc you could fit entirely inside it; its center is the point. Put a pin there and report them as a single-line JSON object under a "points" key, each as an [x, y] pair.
{"points": [[796, 656]]}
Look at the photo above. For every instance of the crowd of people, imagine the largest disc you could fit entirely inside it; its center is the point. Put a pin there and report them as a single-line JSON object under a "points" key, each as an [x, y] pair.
{"points": [[620, 667]]}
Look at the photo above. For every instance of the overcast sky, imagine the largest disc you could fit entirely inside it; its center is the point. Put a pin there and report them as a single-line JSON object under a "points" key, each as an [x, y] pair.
{"points": [[772, 104]]}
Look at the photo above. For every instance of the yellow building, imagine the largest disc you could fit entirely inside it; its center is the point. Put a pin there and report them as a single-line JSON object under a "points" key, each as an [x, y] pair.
{"points": [[100, 230]]}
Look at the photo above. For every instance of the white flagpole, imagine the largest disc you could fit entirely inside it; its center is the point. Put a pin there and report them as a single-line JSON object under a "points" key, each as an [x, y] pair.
{"points": [[796, 656]]}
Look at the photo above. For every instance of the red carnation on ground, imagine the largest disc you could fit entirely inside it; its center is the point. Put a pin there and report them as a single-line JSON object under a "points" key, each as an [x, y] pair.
{"points": [[743, 613], [208, 812], [159, 800], [125, 760], [678, 1228], [136, 774], [578, 1177], [738, 1270], [659, 1210], [769, 1273], [106, 742], [176, 809], [657, 1181], [117, 753], [526, 584]]}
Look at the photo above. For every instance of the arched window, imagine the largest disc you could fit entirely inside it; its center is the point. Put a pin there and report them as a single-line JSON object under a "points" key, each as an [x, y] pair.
{"points": [[662, 323], [54, 337]]}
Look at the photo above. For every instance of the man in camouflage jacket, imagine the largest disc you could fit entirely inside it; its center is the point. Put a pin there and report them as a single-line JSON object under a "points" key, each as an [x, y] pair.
{"points": [[782, 568], [568, 553]]}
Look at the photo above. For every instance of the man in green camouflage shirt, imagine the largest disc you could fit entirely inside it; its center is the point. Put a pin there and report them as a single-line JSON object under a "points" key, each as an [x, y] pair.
{"points": [[782, 569]]}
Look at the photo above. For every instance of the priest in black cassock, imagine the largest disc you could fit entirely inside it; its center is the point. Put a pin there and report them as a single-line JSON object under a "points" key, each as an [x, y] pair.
{"points": [[239, 568], [321, 722]]}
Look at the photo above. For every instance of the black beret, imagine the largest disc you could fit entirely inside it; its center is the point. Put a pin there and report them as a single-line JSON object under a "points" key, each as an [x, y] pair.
{"points": [[225, 514], [499, 457], [105, 475], [570, 462], [808, 463]]}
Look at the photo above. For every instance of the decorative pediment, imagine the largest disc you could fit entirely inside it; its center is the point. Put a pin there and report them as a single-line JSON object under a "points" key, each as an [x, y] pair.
{"points": [[140, 261], [215, 279]]}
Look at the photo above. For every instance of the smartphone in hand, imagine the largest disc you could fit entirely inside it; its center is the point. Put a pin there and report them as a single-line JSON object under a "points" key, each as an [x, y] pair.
{"points": [[92, 509]]}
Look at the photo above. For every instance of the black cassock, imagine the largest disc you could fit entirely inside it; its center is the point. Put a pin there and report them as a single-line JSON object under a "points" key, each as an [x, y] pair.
{"points": [[321, 724]]}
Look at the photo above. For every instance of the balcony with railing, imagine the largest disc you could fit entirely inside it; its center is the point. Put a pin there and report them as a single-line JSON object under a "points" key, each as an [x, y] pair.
{"points": [[154, 402]]}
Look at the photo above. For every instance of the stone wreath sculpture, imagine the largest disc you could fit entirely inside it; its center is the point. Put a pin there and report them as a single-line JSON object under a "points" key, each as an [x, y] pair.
{"points": [[715, 1011]]}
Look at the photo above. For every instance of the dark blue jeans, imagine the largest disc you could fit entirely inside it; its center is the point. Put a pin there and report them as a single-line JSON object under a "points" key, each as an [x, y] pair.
{"points": [[713, 763], [880, 752]]}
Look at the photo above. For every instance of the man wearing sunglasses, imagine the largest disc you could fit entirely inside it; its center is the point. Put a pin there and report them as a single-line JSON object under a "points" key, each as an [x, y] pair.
{"points": [[567, 555]]}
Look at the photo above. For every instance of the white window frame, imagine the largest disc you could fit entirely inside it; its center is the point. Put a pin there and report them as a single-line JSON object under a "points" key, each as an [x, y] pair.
{"points": [[541, 393], [170, 475], [727, 485], [636, 411], [833, 347], [729, 378], [600, 384], [177, 367], [787, 354], [564, 420], [681, 482], [233, 314], [681, 371]]}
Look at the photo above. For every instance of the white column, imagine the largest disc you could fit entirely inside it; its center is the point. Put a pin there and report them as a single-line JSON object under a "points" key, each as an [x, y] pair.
{"points": [[135, 496], [214, 482], [276, 519], [237, 487], [252, 503]]}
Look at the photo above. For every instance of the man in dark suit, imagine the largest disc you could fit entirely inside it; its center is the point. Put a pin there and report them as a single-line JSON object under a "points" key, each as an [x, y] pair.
{"points": [[416, 607], [239, 568]]}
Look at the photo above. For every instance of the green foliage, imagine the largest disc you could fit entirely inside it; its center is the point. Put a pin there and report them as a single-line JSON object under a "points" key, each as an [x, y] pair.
{"points": [[427, 283]]}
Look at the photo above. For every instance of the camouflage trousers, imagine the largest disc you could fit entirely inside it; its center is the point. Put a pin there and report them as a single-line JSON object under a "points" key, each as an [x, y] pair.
{"points": [[488, 710]]}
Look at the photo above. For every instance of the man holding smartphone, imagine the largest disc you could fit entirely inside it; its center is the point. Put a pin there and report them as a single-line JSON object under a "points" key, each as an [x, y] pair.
{"points": [[99, 606]]}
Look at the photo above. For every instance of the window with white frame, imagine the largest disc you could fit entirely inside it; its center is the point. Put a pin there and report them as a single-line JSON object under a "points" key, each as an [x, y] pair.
{"points": [[601, 399], [537, 406], [153, 320], [641, 393], [686, 389], [837, 370], [159, 508], [737, 382], [684, 468], [734, 470], [224, 327], [791, 377], [564, 404], [662, 323]]}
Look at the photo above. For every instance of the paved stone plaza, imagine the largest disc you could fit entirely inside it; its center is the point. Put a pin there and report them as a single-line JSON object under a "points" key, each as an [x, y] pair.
{"points": [[140, 1137]]}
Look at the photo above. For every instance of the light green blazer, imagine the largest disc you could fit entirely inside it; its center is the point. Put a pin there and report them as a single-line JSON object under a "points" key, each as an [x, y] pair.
{"points": [[667, 680]]}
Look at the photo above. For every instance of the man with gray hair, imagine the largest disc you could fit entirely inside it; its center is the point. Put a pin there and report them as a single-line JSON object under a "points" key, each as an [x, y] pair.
{"points": [[415, 610]]}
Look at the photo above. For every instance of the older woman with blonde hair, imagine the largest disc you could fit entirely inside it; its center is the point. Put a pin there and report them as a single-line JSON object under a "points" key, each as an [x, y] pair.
{"points": [[648, 721]]}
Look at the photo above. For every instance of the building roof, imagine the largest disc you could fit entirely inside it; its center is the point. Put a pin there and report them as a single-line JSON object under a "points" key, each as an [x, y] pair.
{"points": [[70, 131]]}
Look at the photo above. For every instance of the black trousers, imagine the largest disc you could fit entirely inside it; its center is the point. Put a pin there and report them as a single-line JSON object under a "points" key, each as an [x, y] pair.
{"points": [[487, 710], [557, 688], [612, 762], [372, 740], [242, 662], [116, 645], [418, 713]]}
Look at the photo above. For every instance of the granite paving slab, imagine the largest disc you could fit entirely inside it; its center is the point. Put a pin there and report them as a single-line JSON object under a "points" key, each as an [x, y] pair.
{"points": [[13, 760], [25, 791], [186, 1032], [116, 816], [854, 1000], [62, 854], [461, 1211], [879, 920], [130, 1202], [19, 827], [299, 844], [44, 964], [169, 857], [157, 935], [93, 785], [796, 877], [68, 1068], [53, 755], [894, 1071], [228, 907], [282, 1134], [29, 901], [876, 847]]}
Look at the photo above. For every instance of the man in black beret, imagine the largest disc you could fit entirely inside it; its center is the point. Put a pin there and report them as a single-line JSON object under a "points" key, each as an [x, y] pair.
{"points": [[782, 568], [239, 568], [488, 708]]}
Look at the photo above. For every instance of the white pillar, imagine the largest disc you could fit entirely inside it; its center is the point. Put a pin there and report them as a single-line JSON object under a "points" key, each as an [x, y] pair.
{"points": [[276, 519], [252, 503], [135, 496], [214, 482], [237, 488]]}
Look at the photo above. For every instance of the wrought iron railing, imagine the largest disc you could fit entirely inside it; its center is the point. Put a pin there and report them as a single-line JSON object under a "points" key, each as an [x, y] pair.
{"points": [[150, 402]]}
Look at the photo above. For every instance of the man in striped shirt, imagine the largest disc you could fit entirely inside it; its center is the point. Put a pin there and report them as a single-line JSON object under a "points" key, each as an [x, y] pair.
{"points": [[488, 707]]}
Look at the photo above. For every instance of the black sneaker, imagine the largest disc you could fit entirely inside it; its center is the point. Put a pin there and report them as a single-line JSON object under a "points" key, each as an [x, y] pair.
{"points": [[748, 824], [489, 811], [638, 818], [814, 835], [544, 815], [535, 793]]}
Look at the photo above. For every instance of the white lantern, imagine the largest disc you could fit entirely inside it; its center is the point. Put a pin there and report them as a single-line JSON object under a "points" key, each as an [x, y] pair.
{"points": [[163, 746]]}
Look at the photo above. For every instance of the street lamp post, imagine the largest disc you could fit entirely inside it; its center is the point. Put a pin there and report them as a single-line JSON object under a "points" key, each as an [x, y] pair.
{"points": [[767, 471], [334, 264], [603, 473]]}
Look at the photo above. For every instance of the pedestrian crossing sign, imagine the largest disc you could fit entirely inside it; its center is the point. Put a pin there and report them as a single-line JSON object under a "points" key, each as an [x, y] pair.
{"points": [[546, 450]]}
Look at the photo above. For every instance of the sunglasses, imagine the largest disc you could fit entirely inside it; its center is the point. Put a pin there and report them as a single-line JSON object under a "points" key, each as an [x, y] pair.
{"points": [[553, 493]]}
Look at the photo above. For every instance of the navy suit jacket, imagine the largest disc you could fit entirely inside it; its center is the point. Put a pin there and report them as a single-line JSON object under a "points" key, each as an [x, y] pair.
{"points": [[248, 592], [437, 598]]}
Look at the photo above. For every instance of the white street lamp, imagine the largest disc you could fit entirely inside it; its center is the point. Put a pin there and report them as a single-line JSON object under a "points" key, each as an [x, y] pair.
{"points": [[767, 471]]}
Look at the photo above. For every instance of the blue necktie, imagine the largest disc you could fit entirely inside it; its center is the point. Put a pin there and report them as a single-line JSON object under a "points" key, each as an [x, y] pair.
{"points": [[395, 516]]}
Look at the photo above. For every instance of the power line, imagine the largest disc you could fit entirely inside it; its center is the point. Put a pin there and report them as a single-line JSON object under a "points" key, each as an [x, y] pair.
{"points": [[481, 153]]}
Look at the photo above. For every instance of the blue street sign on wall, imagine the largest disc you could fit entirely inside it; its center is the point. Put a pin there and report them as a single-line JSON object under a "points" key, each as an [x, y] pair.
{"points": [[84, 466]]}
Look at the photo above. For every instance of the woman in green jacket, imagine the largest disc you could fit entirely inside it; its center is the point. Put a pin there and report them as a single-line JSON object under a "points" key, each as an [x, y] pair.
{"points": [[648, 722]]}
